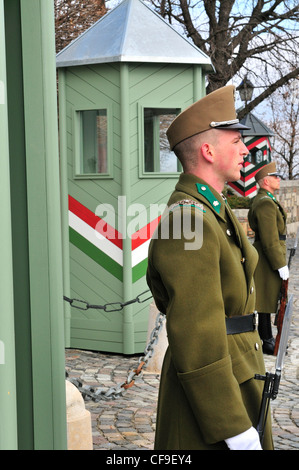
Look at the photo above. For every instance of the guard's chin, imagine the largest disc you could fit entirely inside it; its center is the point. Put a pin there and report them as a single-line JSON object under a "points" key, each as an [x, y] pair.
{"points": [[234, 178]]}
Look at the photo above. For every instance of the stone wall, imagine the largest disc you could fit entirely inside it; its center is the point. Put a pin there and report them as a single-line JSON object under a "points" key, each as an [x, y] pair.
{"points": [[289, 198]]}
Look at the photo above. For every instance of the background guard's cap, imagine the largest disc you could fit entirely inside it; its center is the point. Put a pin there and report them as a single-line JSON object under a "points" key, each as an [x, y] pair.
{"points": [[267, 170], [214, 111]]}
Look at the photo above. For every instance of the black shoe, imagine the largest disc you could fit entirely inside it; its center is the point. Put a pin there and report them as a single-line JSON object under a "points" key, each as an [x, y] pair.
{"points": [[268, 346]]}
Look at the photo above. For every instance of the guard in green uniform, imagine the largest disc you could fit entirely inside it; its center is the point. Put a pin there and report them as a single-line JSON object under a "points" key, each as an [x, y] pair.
{"points": [[268, 220], [200, 271]]}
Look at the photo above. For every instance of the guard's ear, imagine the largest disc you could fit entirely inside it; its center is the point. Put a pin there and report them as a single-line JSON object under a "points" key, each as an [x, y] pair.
{"points": [[207, 151], [266, 181]]}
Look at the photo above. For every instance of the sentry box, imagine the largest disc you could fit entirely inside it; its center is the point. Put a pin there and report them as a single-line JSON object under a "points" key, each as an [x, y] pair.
{"points": [[120, 84]]}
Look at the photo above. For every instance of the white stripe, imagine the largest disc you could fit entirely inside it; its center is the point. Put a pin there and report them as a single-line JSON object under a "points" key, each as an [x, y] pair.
{"points": [[140, 253], [96, 238], [264, 143], [247, 168], [250, 181]]}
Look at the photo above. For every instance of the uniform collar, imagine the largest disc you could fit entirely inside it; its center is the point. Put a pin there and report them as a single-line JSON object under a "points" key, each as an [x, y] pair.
{"points": [[199, 189], [207, 193], [271, 196], [265, 192]]}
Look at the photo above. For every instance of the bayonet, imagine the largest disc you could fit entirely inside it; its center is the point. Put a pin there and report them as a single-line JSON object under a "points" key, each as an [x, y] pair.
{"points": [[283, 298], [272, 380]]}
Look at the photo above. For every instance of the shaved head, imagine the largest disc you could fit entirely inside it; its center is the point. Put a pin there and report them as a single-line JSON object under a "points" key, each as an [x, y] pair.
{"points": [[187, 150]]}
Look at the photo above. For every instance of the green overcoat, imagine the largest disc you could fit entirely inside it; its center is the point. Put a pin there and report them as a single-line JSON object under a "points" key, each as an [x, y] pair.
{"points": [[207, 391], [268, 220]]}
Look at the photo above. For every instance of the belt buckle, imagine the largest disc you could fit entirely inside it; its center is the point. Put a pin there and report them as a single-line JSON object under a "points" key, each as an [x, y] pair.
{"points": [[255, 320]]}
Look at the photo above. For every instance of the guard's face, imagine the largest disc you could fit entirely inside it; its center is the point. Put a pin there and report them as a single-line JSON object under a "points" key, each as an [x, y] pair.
{"points": [[274, 183], [230, 152]]}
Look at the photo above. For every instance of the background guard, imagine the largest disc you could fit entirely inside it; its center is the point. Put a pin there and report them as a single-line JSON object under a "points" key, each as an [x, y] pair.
{"points": [[267, 219]]}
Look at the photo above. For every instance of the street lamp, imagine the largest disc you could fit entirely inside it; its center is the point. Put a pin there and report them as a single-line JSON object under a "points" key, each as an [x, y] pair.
{"points": [[246, 90]]}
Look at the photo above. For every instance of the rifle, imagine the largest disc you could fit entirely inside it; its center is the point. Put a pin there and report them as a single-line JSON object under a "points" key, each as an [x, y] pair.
{"points": [[272, 381], [281, 312], [283, 299]]}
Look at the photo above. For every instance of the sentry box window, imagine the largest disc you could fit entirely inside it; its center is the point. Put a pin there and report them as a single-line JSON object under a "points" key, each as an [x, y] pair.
{"points": [[92, 148], [257, 156], [158, 159]]}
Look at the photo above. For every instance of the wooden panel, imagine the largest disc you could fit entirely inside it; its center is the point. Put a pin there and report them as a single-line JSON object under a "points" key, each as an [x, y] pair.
{"points": [[155, 86], [98, 285]]}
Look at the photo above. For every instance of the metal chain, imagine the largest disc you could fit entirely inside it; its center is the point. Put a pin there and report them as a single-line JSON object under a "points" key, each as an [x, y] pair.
{"points": [[99, 393], [109, 307]]}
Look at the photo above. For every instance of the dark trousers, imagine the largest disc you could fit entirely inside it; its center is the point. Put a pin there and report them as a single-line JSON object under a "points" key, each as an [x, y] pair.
{"points": [[265, 326]]}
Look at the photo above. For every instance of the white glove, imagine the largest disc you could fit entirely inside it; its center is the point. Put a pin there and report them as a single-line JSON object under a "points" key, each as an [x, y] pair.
{"points": [[284, 273], [248, 440]]}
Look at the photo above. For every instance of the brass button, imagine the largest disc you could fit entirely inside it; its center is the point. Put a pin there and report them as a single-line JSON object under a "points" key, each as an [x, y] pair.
{"points": [[243, 260], [256, 346], [228, 232], [251, 290]]}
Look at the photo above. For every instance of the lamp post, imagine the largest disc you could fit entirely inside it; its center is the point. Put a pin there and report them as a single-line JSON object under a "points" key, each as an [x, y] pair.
{"points": [[246, 90]]}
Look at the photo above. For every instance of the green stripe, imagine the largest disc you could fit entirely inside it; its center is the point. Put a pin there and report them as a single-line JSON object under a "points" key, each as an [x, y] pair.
{"points": [[96, 254], [103, 260], [139, 270], [239, 185]]}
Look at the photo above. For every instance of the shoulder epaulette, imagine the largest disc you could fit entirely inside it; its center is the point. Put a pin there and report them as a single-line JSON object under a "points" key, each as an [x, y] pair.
{"points": [[267, 197], [187, 202]]}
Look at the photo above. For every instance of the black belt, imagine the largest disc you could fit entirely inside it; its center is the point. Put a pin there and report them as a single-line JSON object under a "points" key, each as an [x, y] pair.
{"points": [[282, 237], [242, 324]]}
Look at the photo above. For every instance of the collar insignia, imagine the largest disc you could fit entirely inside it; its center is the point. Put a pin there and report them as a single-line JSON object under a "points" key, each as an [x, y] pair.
{"points": [[205, 191]]}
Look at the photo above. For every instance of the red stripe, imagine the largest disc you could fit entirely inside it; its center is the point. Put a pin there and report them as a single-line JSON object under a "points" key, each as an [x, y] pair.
{"points": [[256, 142], [243, 192], [138, 238], [251, 190], [236, 188], [95, 222], [245, 178], [144, 234]]}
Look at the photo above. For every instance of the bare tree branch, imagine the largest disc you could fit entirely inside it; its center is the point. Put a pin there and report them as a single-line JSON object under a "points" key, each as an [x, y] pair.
{"points": [[233, 33], [268, 92], [73, 17]]}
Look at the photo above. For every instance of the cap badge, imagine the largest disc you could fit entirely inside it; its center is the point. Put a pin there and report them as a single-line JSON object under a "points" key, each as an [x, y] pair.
{"points": [[224, 123]]}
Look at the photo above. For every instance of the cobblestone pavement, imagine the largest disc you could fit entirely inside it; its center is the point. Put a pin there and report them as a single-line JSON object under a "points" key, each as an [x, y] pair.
{"points": [[128, 422]]}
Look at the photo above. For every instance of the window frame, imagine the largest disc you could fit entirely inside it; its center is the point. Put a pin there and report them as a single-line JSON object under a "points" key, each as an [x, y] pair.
{"points": [[78, 142], [264, 157], [153, 174]]}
